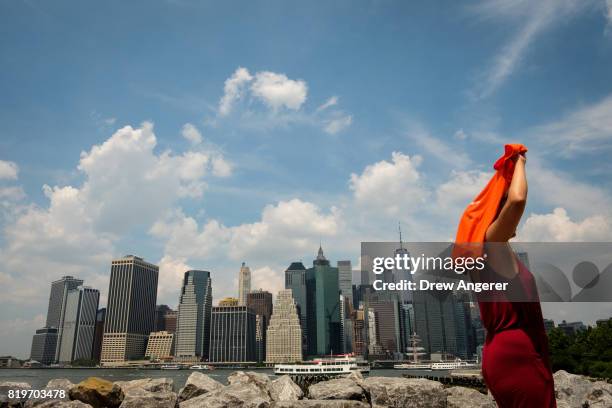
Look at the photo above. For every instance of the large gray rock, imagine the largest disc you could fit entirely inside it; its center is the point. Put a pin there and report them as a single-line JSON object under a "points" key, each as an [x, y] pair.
{"points": [[337, 389], [579, 391], [98, 393], [250, 377], [147, 384], [62, 404], [60, 384], [284, 389], [320, 404], [5, 387], [461, 397], [237, 395], [405, 393], [198, 384], [141, 398]]}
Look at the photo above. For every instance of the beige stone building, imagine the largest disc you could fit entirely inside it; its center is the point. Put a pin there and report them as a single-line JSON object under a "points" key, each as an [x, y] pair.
{"points": [[159, 345], [284, 335]]}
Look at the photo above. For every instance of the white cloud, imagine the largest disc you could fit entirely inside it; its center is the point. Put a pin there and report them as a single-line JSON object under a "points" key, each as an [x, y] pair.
{"points": [[192, 134], [438, 148], [234, 90], [608, 15], [557, 226], [171, 273], [336, 125], [390, 187], [332, 101], [8, 170], [454, 195], [460, 135], [585, 130], [127, 186], [268, 278], [13, 193], [278, 91], [285, 227], [531, 18], [221, 167]]}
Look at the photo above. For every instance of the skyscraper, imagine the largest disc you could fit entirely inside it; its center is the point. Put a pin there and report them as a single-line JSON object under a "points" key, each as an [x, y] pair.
{"points": [[232, 334], [57, 299], [323, 302], [57, 305], [284, 337], [130, 314], [244, 284], [345, 280], [295, 279], [160, 345], [193, 326], [388, 327], [97, 347], [260, 301], [160, 313], [44, 344], [79, 328]]}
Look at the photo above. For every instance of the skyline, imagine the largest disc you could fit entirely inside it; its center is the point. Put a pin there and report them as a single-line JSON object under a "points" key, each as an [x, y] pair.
{"points": [[253, 139]]}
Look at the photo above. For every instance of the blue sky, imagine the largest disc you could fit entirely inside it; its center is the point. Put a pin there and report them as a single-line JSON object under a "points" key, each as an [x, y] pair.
{"points": [[257, 129]]}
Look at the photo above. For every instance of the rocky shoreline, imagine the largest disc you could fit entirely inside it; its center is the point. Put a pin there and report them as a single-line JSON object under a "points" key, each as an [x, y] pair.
{"points": [[256, 390]]}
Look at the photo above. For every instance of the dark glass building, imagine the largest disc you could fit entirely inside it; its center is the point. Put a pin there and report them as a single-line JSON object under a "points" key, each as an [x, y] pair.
{"points": [[260, 302], [232, 334], [44, 344]]}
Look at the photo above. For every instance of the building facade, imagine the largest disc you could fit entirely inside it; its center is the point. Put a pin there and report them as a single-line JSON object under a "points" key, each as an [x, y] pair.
{"points": [[194, 314], [160, 345], [97, 347], [130, 314], [323, 303], [345, 280], [295, 280], [44, 345], [284, 337], [244, 284], [232, 334], [79, 328], [57, 305], [260, 301]]}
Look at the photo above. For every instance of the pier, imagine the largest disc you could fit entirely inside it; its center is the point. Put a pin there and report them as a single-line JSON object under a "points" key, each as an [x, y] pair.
{"points": [[464, 378]]}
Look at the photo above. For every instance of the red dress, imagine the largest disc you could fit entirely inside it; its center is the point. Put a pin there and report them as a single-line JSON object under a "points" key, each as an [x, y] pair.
{"points": [[515, 363]]}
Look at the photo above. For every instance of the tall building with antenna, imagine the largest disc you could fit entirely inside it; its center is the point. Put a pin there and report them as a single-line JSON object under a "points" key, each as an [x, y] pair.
{"points": [[405, 296]]}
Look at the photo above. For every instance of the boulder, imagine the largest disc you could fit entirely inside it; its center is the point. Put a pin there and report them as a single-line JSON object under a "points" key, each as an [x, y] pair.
{"points": [[98, 393], [6, 386], [320, 404], [147, 384], [250, 377], [56, 384], [238, 395], [337, 389], [461, 397], [56, 403], [579, 391], [284, 389], [404, 393], [141, 398], [198, 384]]}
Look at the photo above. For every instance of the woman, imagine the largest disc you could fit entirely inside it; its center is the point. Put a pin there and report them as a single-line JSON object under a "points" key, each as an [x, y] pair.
{"points": [[515, 363]]}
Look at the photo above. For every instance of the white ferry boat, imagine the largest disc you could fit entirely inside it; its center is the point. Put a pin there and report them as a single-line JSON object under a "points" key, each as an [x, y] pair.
{"points": [[201, 367], [453, 365], [412, 366], [170, 367], [335, 365]]}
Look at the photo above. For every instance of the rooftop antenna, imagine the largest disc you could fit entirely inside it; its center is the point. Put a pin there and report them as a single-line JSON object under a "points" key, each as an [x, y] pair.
{"points": [[399, 227]]}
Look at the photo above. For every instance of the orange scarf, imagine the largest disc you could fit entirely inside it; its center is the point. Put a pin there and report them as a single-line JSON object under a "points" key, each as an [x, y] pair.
{"points": [[481, 212]]}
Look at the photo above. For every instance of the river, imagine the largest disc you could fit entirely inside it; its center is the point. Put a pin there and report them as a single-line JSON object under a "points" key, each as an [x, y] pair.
{"points": [[39, 377]]}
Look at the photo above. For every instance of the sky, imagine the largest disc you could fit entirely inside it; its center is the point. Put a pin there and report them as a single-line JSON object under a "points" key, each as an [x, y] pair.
{"points": [[204, 134]]}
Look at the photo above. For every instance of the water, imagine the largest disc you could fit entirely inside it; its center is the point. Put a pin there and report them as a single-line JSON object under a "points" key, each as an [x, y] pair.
{"points": [[39, 378]]}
